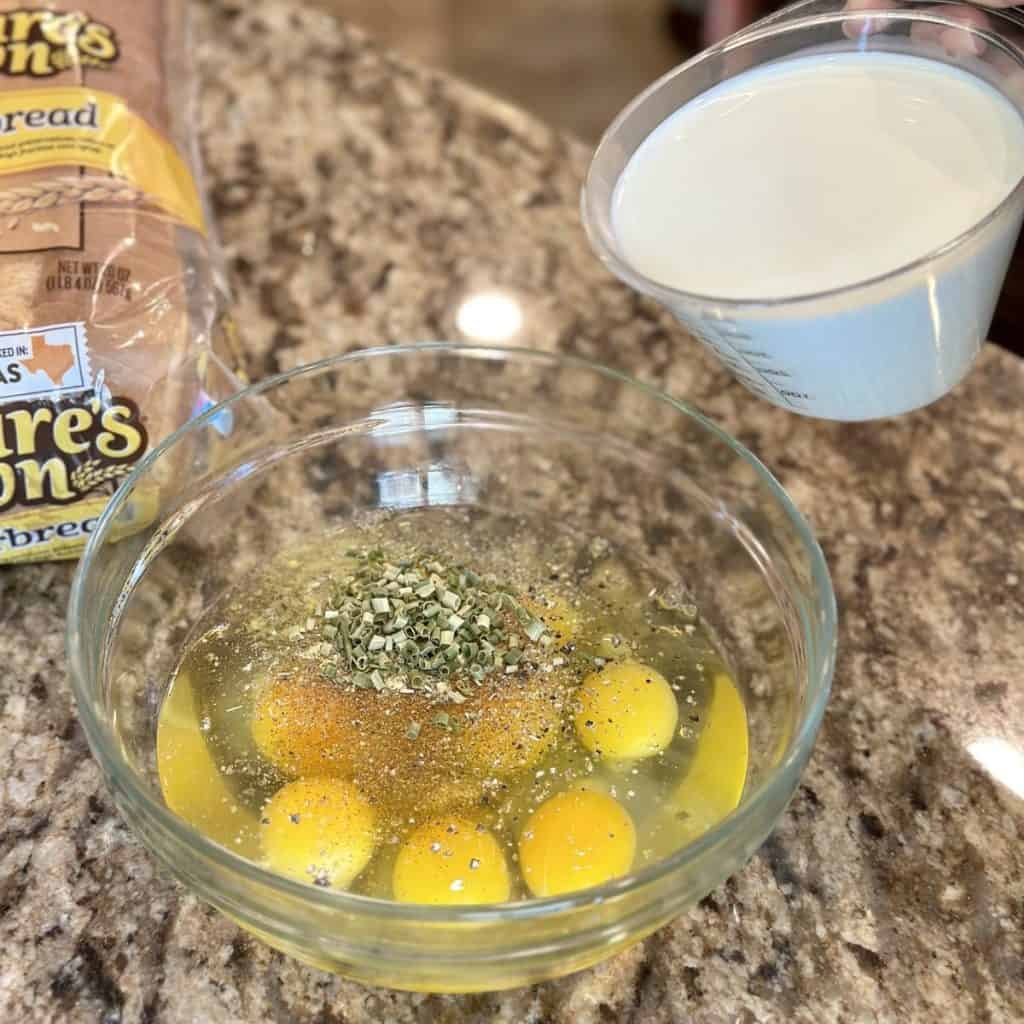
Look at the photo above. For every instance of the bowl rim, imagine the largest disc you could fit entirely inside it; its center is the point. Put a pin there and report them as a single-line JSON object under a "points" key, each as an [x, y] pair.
{"points": [[119, 773]]}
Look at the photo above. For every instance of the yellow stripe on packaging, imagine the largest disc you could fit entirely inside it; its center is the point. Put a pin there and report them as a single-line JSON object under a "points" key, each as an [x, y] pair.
{"points": [[78, 126], [55, 532]]}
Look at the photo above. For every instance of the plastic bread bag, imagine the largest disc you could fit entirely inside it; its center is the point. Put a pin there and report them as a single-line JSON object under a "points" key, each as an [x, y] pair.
{"points": [[112, 326]]}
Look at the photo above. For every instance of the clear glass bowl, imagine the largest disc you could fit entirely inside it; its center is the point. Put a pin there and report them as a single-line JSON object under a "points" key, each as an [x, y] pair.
{"points": [[544, 438]]}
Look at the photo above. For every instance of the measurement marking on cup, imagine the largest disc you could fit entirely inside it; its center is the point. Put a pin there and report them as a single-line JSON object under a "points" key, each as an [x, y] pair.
{"points": [[722, 335]]}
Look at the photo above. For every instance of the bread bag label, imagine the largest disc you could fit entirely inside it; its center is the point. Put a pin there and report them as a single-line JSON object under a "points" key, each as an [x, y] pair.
{"points": [[109, 306], [44, 128]]}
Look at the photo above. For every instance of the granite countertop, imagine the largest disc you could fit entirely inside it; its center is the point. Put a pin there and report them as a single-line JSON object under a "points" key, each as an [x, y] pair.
{"points": [[360, 201]]}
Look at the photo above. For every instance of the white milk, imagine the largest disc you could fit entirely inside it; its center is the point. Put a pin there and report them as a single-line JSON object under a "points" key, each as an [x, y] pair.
{"points": [[819, 173]]}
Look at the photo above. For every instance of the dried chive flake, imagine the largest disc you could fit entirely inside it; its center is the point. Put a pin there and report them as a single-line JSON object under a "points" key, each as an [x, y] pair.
{"points": [[414, 624]]}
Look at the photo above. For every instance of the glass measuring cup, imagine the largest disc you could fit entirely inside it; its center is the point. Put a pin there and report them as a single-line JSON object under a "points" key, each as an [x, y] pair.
{"points": [[879, 347]]}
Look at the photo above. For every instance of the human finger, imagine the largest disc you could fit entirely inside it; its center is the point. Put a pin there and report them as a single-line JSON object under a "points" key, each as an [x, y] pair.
{"points": [[957, 42], [867, 26]]}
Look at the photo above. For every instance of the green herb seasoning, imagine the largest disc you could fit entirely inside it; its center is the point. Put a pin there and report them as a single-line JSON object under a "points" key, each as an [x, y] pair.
{"points": [[420, 625]]}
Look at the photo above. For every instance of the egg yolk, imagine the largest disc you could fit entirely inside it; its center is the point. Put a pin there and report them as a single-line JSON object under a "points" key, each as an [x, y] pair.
{"points": [[713, 785], [190, 780], [450, 861], [626, 711], [311, 728], [512, 729], [318, 830], [575, 840], [307, 727], [561, 619]]}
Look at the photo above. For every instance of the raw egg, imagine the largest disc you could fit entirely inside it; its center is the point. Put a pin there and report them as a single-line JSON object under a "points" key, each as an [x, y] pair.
{"points": [[626, 711], [510, 730], [318, 830], [561, 619], [713, 785], [451, 860], [575, 840], [190, 780], [307, 727]]}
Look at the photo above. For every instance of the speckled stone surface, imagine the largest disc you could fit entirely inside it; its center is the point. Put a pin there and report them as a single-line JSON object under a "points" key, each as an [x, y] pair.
{"points": [[360, 201]]}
